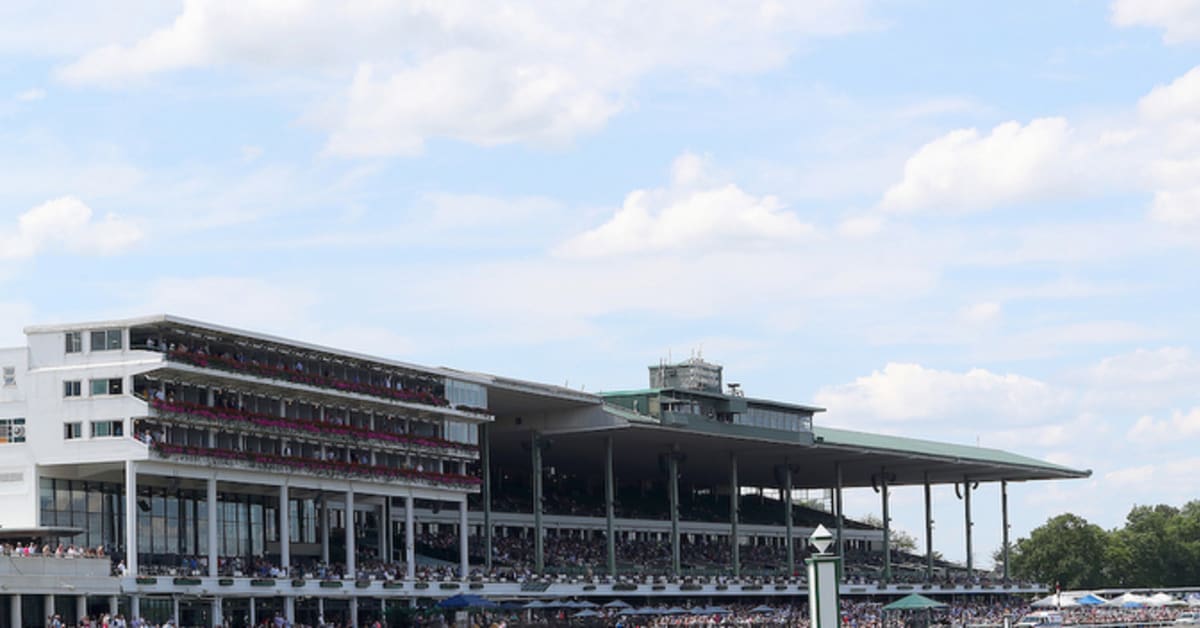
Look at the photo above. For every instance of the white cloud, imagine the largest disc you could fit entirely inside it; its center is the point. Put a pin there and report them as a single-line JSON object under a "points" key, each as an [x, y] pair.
{"points": [[689, 215], [1179, 19], [1147, 429], [981, 313], [66, 224], [913, 393], [536, 71], [32, 94], [963, 170]]}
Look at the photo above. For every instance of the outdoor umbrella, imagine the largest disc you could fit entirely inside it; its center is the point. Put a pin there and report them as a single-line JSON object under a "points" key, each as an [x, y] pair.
{"points": [[1091, 599], [586, 613], [762, 609], [617, 604], [913, 602]]}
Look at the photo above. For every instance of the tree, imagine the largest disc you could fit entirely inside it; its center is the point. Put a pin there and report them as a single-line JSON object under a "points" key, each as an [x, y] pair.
{"points": [[898, 540], [1066, 550]]}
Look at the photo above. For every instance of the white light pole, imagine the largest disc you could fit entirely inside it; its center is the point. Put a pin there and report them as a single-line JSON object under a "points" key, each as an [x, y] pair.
{"points": [[823, 570]]}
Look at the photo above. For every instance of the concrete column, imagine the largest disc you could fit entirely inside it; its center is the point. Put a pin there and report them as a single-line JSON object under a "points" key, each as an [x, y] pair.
{"points": [[320, 608], [354, 611], [253, 613], [887, 528], [14, 610], [734, 508], [175, 610], [969, 524], [464, 561], [323, 517], [131, 513], [787, 518], [673, 488], [285, 530], [539, 558], [216, 612], [485, 463], [114, 605], [928, 531], [410, 541], [48, 607], [610, 490], [837, 505], [211, 505], [135, 607], [1004, 525], [289, 609], [350, 566], [80, 609]]}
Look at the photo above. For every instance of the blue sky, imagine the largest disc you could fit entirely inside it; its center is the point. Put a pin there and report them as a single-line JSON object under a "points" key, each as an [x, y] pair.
{"points": [[977, 222]]}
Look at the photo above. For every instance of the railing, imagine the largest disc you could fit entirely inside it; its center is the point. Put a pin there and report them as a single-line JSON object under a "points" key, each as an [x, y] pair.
{"points": [[205, 360], [316, 467], [220, 416]]}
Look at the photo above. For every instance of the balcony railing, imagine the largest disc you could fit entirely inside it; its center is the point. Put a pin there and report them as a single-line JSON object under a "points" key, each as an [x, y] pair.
{"points": [[259, 369], [332, 468], [222, 417]]}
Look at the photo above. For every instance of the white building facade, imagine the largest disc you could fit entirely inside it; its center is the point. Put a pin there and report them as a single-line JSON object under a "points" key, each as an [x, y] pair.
{"points": [[210, 464]]}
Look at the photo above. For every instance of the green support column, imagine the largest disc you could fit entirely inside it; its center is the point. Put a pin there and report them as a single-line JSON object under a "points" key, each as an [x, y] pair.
{"points": [[734, 506], [787, 519], [609, 497], [967, 512], [887, 529], [1004, 524], [485, 461], [673, 488], [841, 520], [928, 531], [539, 564]]}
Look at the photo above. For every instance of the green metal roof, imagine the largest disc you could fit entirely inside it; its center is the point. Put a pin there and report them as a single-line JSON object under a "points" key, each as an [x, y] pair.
{"points": [[965, 453]]}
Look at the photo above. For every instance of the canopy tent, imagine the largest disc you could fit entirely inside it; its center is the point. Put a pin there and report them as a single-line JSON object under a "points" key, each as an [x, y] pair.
{"points": [[1057, 600], [535, 604], [1091, 599], [913, 602], [617, 604], [1129, 600], [1193, 599], [465, 600], [1164, 599]]}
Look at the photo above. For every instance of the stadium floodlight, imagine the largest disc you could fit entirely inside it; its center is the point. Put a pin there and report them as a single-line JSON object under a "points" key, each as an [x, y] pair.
{"points": [[821, 539]]}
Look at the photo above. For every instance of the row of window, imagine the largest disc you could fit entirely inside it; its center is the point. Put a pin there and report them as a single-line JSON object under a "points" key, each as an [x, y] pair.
{"points": [[98, 387], [101, 340], [100, 429]]}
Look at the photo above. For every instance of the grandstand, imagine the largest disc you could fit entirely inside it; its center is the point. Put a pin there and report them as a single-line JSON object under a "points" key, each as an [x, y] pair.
{"points": [[170, 468]]}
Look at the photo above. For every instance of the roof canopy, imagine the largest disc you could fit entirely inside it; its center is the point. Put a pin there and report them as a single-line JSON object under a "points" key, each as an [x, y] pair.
{"points": [[913, 602]]}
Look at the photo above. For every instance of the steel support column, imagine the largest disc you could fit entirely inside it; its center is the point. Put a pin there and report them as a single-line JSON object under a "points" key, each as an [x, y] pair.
{"points": [[213, 546], [539, 558], [734, 509], [609, 497], [1004, 525], [928, 531], [464, 530], [673, 488], [787, 518], [351, 568], [837, 506], [285, 530], [969, 524], [887, 529], [485, 463], [410, 542]]}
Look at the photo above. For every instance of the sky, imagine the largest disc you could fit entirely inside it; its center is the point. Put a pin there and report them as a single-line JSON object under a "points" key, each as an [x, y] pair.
{"points": [[970, 221]]}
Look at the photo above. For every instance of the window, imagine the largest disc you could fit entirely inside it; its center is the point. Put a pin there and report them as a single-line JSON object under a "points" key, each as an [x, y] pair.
{"points": [[106, 340], [10, 376], [101, 429], [110, 386], [74, 342], [72, 388], [72, 431], [12, 430]]}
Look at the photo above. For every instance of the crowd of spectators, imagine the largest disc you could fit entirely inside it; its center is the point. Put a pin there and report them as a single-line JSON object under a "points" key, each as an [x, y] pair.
{"points": [[51, 551]]}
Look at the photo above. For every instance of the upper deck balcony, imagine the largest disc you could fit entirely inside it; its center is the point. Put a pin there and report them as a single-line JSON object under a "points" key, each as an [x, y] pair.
{"points": [[190, 346]]}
